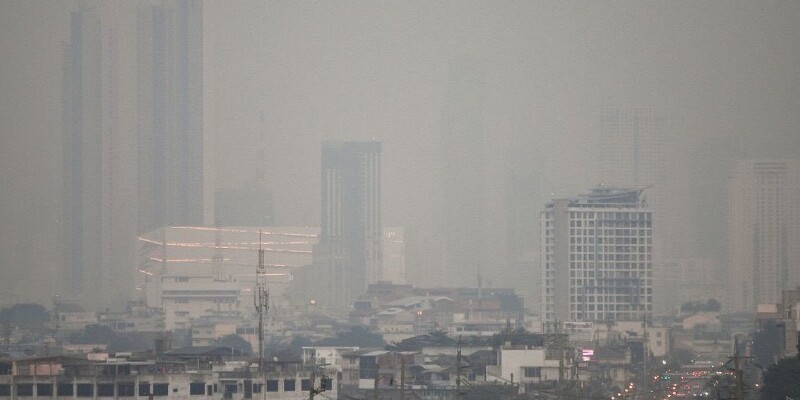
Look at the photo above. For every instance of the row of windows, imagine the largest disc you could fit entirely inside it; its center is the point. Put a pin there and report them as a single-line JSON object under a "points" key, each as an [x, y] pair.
{"points": [[146, 389], [185, 300], [606, 307], [87, 389], [612, 282], [607, 269], [608, 252], [610, 240], [619, 299], [626, 215]]}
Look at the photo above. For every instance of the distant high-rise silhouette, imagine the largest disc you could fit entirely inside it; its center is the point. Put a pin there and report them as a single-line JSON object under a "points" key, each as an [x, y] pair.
{"points": [[596, 257], [83, 172], [350, 250], [763, 232], [463, 168], [127, 173], [170, 114]]}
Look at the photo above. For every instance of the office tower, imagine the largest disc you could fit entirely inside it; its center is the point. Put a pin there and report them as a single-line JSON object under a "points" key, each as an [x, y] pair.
{"points": [[463, 168], [350, 250], [394, 255], [522, 216], [632, 145], [597, 257], [637, 149], [83, 212], [170, 114], [763, 232], [635, 144]]}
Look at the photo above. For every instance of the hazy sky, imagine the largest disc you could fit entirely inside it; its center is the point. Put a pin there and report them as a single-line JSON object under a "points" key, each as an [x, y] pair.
{"points": [[293, 73]]}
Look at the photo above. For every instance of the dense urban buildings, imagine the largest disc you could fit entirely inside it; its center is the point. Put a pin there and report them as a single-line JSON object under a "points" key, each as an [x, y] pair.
{"points": [[763, 232], [350, 251], [597, 257]]}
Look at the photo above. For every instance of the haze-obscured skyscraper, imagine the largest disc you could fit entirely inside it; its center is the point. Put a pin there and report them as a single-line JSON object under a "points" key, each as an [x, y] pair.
{"points": [[83, 172], [125, 171], [634, 145], [763, 232], [522, 234], [596, 257], [463, 166], [350, 250], [170, 114]]}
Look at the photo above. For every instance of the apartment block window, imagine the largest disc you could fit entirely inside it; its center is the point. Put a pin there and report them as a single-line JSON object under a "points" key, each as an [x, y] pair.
{"points": [[85, 390], [125, 390], [105, 390], [44, 389], [25, 389], [532, 372], [272, 385], [161, 389], [65, 390], [289, 385], [197, 388]]}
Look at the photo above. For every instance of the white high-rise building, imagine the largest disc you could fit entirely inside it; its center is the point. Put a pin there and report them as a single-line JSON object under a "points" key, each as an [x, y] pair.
{"points": [[596, 257], [763, 232]]}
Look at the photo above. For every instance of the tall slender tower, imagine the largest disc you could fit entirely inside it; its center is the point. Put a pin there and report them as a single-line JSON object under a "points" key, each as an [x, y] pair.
{"points": [[763, 232], [350, 251], [463, 160], [82, 154], [170, 114]]}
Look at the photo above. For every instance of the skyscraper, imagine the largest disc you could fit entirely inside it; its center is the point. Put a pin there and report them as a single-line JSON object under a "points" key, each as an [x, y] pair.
{"points": [[350, 250], [597, 257], [106, 152], [634, 145], [170, 114], [463, 160], [82, 216], [763, 232]]}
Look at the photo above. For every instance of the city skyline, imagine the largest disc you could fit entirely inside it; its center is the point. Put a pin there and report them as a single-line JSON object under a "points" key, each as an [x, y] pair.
{"points": [[496, 91]]}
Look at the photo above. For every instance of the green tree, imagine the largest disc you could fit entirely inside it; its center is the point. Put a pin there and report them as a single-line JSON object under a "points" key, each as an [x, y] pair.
{"points": [[782, 380], [358, 336], [27, 316], [767, 344], [235, 342]]}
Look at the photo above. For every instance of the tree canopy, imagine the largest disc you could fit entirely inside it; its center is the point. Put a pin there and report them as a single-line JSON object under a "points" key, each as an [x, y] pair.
{"points": [[28, 316], [781, 380], [236, 342], [767, 344], [696, 306]]}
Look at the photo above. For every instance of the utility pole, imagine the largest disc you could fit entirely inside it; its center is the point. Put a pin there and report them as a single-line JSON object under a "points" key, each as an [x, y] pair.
{"points": [[459, 395], [645, 346], [739, 383], [261, 302], [312, 391], [402, 377], [377, 378]]}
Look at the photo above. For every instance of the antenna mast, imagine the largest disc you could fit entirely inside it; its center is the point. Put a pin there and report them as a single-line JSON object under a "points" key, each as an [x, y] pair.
{"points": [[261, 300]]}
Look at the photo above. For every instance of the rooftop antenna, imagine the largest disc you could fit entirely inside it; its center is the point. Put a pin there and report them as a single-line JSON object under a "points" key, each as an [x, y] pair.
{"points": [[261, 300]]}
